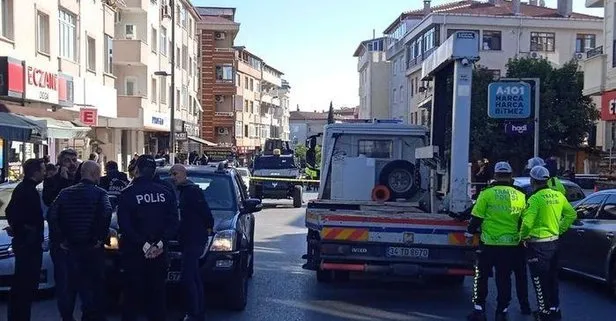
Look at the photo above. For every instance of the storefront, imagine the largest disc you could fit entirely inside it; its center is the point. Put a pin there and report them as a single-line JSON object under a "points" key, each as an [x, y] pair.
{"points": [[18, 139], [156, 131]]}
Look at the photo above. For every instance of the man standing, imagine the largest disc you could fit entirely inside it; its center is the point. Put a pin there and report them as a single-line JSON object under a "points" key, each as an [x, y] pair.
{"points": [[114, 182], [148, 218], [496, 214], [25, 217], [196, 224], [79, 221], [548, 215], [67, 163], [553, 182]]}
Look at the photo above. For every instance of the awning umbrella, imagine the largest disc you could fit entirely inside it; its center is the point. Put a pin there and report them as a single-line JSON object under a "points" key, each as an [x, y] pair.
{"points": [[16, 128]]}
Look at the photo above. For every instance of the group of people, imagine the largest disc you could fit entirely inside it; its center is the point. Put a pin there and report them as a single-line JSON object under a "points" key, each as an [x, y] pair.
{"points": [[519, 231], [150, 213]]}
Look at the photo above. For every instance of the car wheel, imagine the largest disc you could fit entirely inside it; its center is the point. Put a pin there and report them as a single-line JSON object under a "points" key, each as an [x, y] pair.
{"points": [[238, 291], [297, 196], [251, 265], [612, 278]]}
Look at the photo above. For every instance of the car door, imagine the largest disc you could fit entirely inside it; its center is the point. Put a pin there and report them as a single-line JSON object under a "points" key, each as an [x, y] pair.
{"points": [[245, 219], [572, 241], [598, 239]]}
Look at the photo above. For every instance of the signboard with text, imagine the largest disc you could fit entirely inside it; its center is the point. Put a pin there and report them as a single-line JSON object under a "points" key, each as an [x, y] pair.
{"points": [[509, 100], [518, 128], [181, 136], [41, 85], [88, 116], [608, 105]]}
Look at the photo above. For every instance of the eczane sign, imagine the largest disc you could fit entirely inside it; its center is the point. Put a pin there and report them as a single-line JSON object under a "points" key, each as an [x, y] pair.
{"points": [[41, 85]]}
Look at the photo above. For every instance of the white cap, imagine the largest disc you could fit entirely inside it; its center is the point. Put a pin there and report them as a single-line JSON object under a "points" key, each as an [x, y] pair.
{"points": [[502, 167], [535, 161], [540, 173]]}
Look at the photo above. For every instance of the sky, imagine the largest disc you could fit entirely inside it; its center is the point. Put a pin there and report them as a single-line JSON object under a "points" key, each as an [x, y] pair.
{"points": [[313, 42]]}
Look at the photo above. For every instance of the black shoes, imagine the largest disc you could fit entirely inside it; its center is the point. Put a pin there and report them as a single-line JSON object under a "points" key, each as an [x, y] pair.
{"points": [[477, 315]]}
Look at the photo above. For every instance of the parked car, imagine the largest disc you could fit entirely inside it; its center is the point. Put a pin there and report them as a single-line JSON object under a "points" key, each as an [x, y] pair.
{"points": [[587, 182], [245, 174], [7, 257], [588, 248], [574, 191]]}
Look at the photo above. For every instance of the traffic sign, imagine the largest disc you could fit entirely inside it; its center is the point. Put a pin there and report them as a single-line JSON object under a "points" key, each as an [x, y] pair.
{"points": [[181, 136], [509, 100]]}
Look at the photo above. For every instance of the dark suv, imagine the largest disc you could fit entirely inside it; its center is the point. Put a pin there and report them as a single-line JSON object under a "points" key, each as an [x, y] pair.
{"points": [[228, 262], [278, 172]]}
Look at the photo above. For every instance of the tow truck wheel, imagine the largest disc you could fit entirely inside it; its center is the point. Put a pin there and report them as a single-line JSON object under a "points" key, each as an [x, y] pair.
{"points": [[324, 276], [297, 196]]}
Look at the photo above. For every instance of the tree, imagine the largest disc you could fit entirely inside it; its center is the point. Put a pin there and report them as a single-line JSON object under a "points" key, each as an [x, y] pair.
{"points": [[330, 114], [566, 115]]}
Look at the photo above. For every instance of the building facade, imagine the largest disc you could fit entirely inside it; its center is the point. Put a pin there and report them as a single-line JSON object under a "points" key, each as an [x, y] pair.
{"points": [[506, 28], [374, 71], [55, 61], [303, 124], [142, 49]]}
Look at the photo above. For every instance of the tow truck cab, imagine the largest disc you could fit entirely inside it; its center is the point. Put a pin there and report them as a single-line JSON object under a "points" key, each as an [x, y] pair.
{"points": [[348, 231]]}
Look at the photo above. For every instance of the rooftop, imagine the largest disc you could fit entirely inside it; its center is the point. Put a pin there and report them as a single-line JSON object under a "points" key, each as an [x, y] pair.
{"points": [[474, 7], [362, 45], [339, 114]]}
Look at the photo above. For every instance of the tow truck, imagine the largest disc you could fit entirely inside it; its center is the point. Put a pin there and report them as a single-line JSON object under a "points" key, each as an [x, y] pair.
{"points": [[377, 210]]}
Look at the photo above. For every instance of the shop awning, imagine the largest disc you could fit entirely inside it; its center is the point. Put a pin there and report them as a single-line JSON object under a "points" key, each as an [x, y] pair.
{"points": [[201, 141], [60, 129], [17, 128]]}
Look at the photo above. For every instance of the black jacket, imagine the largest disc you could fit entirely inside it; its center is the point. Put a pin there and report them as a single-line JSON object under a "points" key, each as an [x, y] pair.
{"points": [[53, 186], [195, 215], [80, 215], [25, 215], [106, 180], [147, 212]]}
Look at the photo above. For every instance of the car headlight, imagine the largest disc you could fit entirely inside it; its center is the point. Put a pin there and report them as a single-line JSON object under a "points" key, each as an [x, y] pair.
{"points": [[10, 252], [224, 241], [113, 240], [44, 245]]}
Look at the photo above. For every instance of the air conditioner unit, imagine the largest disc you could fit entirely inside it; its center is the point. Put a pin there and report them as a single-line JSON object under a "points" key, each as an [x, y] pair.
{"points": [[130, 31], [579, 56], [219, 36], [535, 55], [223, 131], [220, 99], [165, 12]]}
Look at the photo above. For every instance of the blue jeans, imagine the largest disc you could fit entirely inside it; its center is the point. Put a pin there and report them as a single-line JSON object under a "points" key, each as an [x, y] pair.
{"points": [[192, 282], [87, 278]]}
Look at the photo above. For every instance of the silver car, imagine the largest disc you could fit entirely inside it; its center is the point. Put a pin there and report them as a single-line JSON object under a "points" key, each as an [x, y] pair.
{"points": [[7, 258]]}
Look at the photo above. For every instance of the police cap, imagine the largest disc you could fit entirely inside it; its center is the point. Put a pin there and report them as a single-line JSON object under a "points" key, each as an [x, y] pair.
{"points": [[540, 173], [145, 162]]}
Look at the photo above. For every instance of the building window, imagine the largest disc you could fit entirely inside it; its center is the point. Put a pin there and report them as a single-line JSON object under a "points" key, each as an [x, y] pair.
{"points": [[163, 90], [42, 33], [67, 35], [246, 82], [395, 96], [154, 45], [224, 73], [245, 130], [491, 40], [163, 41], [108, 54], [6, 14], [178, 57], [91, 51], [252, 85], [184, 57], [183, 16], [239, 80], [584, 43], [239, 125], [542, 41], [177, 99], [130, 86], [154, 91], [184, 96], [252, 107], [190, 67], [245, 107]]}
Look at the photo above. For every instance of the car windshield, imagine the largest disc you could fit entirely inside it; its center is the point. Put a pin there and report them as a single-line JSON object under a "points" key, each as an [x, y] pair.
{"points": [[217, 189], [274, 162], [243, 172], [5, 197]]}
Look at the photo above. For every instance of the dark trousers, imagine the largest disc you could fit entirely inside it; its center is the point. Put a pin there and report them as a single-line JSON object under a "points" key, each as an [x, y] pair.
{"points": [[87, 278], [502, 259], [65, 294], [520, 270], [145, 281], [28, 260], [543, 264], [192, 282]]}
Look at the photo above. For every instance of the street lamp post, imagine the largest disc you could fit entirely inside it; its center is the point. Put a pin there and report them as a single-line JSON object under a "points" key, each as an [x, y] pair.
{"points": [[171, 4]]}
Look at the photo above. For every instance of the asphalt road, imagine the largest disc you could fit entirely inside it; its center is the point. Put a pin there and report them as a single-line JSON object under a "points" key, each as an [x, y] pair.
{"points": [[282, 291]]}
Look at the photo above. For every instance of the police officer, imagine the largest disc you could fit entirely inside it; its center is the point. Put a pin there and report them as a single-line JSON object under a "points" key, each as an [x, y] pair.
{"points": [[553, 182], [148, 218], [548, 214], [496, 214]]}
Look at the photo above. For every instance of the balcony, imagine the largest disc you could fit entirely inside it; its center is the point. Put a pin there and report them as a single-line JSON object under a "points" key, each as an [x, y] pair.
{"points": [[133, 52], [272, 79], [128, 106], [595, 3], [594, 72], [224, 106], [243, 67], [137, 5]]}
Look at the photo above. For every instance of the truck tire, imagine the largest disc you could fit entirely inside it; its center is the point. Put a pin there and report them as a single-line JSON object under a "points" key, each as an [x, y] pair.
{"points": [[401, 179], [297, 196]]}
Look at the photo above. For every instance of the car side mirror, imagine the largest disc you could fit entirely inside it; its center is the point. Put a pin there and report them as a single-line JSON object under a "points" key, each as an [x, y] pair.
{"points": [[253, 205]]}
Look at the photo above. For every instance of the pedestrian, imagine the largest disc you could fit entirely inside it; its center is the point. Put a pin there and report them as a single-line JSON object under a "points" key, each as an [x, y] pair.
{"points": [[79, 221], [67, 176], [24, 214], [553, 182], [50, 171], [548, 215], [196, 223], [114, 182], [147, 218], [496, 216]]}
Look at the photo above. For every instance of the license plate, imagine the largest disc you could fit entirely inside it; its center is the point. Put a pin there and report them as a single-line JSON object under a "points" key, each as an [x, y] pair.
{"points": [[408, 252], [173, 276]]}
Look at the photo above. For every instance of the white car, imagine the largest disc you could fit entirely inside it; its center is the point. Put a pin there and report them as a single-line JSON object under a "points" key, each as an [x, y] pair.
{"points": [[7, 258], [245, 173]]}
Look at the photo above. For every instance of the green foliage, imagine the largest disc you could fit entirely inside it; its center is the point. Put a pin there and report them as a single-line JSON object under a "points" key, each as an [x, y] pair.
{"points": [[300, 153], [566, 115], [330, 113]]}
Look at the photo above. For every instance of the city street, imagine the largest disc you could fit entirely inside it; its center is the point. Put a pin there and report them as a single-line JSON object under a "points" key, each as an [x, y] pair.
{"points": [[282, 291]]}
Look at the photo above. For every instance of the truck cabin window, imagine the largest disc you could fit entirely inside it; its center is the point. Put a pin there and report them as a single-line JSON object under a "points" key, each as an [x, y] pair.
{"points": [[274, 162], [375, 148]]}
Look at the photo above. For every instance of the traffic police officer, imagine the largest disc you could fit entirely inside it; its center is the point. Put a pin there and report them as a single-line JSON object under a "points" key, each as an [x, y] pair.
{"points": [[496, 214], [553, 182], [148, 218], [548, 214]]}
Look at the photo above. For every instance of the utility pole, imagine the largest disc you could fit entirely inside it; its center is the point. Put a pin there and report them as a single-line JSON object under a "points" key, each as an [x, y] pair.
{"points": [[172, 100]]}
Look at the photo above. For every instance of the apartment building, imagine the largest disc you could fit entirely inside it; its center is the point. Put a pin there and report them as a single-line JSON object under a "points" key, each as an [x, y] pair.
{"points": [[55, 65], [600, 75], [374, 70], [142, 49], [303, 124], [507, 29]]}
